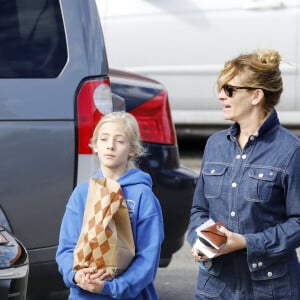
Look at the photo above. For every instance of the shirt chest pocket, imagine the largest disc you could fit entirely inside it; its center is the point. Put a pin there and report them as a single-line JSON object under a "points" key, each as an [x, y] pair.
{"points": [[213, 177], [260, 183]]}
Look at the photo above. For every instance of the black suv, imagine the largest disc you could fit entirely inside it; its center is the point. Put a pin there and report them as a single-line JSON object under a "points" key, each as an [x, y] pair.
{"points": [[53, 75]]}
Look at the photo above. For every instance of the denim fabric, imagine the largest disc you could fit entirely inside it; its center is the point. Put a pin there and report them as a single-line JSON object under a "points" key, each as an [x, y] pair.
{"points": [[254, 192]]}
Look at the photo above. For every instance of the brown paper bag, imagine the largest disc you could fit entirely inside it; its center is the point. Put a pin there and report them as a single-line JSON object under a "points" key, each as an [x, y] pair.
{"points": [[105, 239]]}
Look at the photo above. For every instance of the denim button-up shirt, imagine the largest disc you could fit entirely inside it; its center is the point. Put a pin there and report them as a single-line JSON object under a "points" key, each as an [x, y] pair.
{"points": [[254, 192]]}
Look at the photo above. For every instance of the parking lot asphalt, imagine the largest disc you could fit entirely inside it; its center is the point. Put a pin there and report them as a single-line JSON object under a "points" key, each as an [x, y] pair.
{"points": [[178, 280]]}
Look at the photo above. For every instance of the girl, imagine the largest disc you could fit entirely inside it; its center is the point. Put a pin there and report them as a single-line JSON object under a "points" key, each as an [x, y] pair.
{"points": [[116, 141]]}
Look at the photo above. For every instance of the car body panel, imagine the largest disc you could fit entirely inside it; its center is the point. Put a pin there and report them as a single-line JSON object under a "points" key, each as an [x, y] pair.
{"points": [[188, 43]]}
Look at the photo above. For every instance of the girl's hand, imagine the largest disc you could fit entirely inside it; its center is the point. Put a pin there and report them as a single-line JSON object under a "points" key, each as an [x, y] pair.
{"points": [[100, 274], [91, 279]]}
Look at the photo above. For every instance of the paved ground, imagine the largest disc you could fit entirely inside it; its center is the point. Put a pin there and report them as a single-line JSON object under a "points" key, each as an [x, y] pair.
{"points": [[178, 280]]}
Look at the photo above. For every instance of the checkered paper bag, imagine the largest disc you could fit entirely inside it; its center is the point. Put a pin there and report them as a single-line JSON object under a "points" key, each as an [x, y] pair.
{"points": [[106, 239]]}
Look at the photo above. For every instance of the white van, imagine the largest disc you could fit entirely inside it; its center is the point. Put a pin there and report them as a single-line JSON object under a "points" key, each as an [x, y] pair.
{"points": [[184, 44]]}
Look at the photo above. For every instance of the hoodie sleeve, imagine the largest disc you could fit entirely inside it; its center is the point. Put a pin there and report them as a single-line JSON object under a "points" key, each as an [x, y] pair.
{"points": [[148, 238], [69, 234]]}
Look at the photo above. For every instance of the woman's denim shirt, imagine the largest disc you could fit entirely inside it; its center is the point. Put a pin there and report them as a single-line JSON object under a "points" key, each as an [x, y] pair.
{"points": [[254, 191]]}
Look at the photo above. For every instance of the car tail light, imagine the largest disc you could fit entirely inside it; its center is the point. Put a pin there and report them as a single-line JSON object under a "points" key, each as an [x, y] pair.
{"points": [[153, 116], [155, 121], [90, 93]]}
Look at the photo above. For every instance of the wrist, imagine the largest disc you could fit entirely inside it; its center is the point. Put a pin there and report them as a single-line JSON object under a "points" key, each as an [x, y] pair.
{"points": [[242, 242]]}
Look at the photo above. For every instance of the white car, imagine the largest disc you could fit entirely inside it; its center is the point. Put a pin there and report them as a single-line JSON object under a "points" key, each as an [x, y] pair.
{"points": [[184, 44]]}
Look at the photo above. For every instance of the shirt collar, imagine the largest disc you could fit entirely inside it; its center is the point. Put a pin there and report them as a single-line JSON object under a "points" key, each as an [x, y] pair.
{"points": [[272, 121]]}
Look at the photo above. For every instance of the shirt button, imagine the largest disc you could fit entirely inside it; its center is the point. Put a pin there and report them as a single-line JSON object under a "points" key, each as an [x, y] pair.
{"points": [[270, 274], [244, 156], [252, 138], [260, 264], [212, 171], [232, 213], [260, 175], [234, 184], [238, 156], [254, 266]]}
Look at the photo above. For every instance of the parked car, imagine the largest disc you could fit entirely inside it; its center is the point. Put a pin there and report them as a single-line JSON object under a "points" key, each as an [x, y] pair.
{"points": [[53, 74], [184, 44], [14, 267], [173, 184]]}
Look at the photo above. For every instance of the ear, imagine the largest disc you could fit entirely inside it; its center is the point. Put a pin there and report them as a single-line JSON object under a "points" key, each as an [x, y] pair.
{"points": [[258, 96], [132, 153], [94, 149]]}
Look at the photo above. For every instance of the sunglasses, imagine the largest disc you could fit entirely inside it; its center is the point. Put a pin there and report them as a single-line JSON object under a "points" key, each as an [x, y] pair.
{"points": [[229, 89]]}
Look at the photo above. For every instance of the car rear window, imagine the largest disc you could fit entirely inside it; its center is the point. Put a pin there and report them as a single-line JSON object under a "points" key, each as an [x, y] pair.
{"points": [[32, 39]]}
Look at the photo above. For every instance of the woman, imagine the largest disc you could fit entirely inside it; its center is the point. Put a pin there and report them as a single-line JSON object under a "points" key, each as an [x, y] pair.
{"points": [[116, 141], [250, 181]]}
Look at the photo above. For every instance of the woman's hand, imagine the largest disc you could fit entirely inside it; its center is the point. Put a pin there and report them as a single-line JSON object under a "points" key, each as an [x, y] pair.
{"points": [[91, 279], [198, 256], [235, 241]]}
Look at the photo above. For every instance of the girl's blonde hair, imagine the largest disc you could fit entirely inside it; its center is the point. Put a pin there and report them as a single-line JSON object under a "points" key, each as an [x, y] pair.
{"points": [[260, 70], [132, 130]]}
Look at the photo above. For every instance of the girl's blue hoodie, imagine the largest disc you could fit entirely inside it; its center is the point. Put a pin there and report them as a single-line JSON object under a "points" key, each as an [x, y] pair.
{"points": [[137, 282]]}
